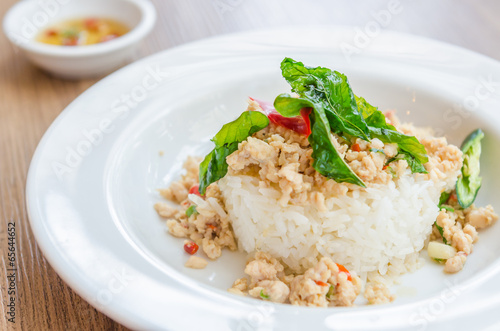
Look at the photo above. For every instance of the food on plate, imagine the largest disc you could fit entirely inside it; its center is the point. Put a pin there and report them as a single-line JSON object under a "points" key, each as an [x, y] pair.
{"points": [[82, 31], [329, 196], [196, 262]]}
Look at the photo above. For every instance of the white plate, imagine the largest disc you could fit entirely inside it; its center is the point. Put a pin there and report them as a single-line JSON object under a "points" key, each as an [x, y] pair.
{"points": [[92, 181]]}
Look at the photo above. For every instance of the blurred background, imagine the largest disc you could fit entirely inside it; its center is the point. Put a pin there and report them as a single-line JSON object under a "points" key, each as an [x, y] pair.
{"points": [[30, 100]]}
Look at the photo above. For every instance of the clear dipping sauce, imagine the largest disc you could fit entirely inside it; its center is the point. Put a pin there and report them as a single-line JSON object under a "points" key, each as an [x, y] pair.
{"points": [[82, 31]]}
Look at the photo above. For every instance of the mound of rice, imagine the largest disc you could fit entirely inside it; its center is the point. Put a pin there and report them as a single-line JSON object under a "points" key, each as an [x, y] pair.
{"points": [[379, 229]]}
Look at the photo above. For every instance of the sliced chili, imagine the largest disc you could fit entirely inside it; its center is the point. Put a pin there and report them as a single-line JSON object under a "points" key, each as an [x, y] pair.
{"points": [[320, 283], [300, 124], [343, 269], [191, 247], [195, 189]]}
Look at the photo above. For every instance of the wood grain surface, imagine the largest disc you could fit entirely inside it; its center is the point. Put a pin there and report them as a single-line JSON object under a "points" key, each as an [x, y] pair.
{"points": [[30, 100]]}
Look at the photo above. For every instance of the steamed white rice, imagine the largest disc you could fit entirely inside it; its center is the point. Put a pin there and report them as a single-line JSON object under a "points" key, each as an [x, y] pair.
{"points": [[377, 231]]}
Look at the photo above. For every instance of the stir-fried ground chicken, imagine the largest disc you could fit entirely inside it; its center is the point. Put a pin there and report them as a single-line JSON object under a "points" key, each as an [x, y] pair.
{"points": [[321, 286], [282, 158], [459, 227]]}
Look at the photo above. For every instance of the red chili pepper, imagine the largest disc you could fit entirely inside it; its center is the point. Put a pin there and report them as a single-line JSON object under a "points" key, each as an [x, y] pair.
{"points": [[195, 189], [191, 247], [356, 147], [453, 197], [385, 167], [299, 124], [320, 283], [343, 269], [305, 112], [211, 226], [92, 23], [51, 33]]}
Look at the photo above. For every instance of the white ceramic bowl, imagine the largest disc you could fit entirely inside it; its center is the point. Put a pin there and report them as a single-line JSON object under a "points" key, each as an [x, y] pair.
{"points": [[27, 18]]}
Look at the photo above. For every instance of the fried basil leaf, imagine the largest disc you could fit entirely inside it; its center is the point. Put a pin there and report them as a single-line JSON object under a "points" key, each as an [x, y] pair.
{"points": [[214, 166], [327, 160], [338, 110]]}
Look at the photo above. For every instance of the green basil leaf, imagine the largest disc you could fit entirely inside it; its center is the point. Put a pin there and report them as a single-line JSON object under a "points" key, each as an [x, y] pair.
{"points": [[263, 295], [214, 166], [365, 108], [191, 210], [444, 198], [329, 94], [289, 106], [378, 128], [448, 208], [330, 89], [327, 160], [440, 229], [408, 145], [413, 163], [238, 130]]}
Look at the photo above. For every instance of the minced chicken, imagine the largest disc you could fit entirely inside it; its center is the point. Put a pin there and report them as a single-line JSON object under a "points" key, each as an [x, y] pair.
{"points": [[281, 157]]}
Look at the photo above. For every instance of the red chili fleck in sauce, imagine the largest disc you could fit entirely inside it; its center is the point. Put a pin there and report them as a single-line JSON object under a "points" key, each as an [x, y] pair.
{"points": [[320, 283], [356, 147], [385, 167], [211, 226], [343, 269], [92, 23], [191, 247]]}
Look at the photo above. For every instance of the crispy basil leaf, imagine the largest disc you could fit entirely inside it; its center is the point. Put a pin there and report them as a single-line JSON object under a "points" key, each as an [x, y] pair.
{"points": [[289, 106], [387, 133], [413, 163], [330, 89], [214, 166], [329, 94], [327, 160], [365, 108]]}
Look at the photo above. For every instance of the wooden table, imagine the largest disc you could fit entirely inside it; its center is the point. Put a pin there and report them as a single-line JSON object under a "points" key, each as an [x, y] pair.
{"points": [[30, 100]]}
